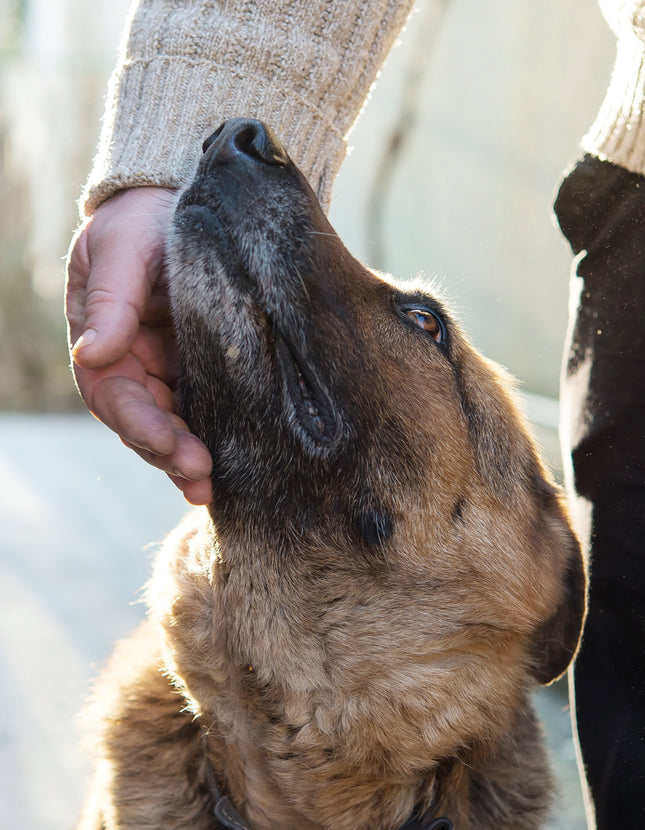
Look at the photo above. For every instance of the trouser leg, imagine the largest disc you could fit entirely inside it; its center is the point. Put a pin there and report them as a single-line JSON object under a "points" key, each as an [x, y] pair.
{"points": [[601, 210]]}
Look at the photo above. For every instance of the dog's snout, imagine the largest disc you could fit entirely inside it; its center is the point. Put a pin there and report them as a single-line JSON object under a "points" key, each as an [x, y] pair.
{"points": [[245, 139]]}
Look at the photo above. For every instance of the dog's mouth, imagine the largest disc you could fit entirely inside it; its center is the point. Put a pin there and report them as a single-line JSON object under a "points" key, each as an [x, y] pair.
{"points": [[308, 403], [306, 399], [253, 257]]}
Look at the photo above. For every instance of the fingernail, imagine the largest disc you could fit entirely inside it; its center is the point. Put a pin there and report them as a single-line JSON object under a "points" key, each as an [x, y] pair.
{"points": [[177, 472], [86, 339]]}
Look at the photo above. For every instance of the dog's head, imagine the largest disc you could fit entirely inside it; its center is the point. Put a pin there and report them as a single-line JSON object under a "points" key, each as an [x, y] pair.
{"points": [[348, 413]]}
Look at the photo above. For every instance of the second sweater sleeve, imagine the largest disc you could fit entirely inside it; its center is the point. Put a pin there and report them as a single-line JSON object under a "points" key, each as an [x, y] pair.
{"points": [[618, 133]]}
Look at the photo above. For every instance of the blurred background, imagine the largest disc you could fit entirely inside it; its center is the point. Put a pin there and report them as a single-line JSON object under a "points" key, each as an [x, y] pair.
{"points": [[453, 167]]}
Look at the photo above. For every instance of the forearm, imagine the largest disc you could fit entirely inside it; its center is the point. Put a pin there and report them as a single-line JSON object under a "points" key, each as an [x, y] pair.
{"points": [[304, 68]]}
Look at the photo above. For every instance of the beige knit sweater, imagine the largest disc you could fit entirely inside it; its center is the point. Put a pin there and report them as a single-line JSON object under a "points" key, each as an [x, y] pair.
{"points": [[303, 66]]}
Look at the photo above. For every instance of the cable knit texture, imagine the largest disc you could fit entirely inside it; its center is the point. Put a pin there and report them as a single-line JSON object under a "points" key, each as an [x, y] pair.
{"points": [[618, 134], [186, 65]]}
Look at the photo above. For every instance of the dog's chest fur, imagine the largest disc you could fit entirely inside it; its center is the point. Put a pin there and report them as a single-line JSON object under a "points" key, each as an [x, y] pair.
{"points": [[314, 683]]}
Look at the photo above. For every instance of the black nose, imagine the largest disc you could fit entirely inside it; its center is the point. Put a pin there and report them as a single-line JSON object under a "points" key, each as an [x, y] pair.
{"points": [[243, 137]]}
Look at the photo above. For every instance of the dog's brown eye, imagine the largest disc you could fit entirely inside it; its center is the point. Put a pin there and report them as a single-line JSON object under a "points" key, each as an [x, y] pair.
{"points": [[427, 321]]}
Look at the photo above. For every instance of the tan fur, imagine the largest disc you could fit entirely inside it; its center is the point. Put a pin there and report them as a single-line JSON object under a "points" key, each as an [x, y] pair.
{"points": [[333, 684]]}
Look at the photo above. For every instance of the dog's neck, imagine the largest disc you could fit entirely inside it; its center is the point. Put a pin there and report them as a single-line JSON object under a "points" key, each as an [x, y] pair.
{"points": [[297, 672], [230, 819], [340, 800]]}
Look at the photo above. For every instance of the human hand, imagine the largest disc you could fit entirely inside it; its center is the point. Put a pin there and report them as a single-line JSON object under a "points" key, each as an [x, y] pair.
{"points": [[122, 341]]}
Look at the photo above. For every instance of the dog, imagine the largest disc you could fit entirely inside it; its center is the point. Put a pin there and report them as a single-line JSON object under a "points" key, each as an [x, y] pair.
{"points": [[347, 637]]}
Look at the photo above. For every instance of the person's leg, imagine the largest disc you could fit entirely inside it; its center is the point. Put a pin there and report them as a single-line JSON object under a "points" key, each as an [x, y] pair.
{"points": [[601, 210]]}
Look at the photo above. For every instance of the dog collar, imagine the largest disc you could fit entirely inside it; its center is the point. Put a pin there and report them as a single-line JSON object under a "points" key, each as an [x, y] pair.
{"points": [[229, 819], [442, 823], [224, 811]]}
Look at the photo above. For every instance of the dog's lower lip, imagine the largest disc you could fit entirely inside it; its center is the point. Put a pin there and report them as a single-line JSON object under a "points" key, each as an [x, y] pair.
{"points": [[311, 403], [203, 220], [200, 217]]}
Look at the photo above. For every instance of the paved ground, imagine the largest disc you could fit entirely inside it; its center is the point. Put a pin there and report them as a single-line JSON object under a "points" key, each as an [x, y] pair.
{"points": [[80, 517]]}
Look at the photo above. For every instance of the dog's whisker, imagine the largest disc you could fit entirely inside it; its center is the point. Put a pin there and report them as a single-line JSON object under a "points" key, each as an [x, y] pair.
{"points": [[301, 282]]}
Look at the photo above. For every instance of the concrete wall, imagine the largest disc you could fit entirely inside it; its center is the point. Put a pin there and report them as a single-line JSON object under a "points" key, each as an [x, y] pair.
{"points": [[508, 90]]}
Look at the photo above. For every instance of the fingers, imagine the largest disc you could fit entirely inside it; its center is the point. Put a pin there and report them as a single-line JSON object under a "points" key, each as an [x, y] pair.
{"points": [[141, 415], [187, 459], [195, 492], [121, 336], [128, 408], [188, 465]]}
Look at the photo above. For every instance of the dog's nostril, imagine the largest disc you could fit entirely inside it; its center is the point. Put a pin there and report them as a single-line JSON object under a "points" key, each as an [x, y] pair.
{"points": [[258, 141], [247, 138], [212, 138]]}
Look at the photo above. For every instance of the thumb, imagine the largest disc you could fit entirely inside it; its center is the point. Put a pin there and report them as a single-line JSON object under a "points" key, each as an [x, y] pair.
{"points": [[114, 262]]}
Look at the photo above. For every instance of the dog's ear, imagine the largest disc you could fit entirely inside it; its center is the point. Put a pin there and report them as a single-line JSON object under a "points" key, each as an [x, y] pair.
{"points": [[508, 463], [555, 642]]}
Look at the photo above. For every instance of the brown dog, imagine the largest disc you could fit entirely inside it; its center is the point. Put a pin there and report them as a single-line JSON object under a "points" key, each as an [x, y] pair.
{"points": [[347, 638]]}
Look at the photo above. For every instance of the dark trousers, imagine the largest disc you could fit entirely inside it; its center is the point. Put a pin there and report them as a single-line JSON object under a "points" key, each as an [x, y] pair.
{"points": [[601, 210]]}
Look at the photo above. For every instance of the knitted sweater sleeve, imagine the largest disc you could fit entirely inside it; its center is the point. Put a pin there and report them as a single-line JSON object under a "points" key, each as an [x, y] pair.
{"points": [[618, 133], [186, 65]]}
